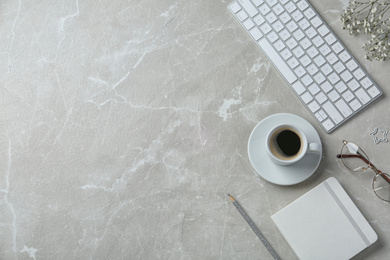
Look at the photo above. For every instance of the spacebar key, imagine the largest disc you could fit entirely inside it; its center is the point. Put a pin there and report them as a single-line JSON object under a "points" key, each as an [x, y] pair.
{"points": [[277, 61]]}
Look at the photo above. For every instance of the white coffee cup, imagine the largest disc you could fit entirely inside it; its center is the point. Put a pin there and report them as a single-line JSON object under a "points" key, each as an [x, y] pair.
{"points": [[287, 144]]}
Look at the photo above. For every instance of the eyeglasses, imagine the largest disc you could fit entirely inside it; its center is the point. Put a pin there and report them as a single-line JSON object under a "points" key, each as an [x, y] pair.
{"points": [[355, 159]]}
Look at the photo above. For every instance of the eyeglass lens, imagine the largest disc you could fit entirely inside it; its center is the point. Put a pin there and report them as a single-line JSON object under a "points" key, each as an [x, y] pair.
{"points": [[354, 158], [381, 186]]}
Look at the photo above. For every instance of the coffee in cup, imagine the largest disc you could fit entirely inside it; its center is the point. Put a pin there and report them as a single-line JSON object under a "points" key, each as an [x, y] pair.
{"points": [[287, 144]]}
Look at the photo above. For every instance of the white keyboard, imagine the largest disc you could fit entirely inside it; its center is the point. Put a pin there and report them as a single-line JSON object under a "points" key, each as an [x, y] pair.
{"points": [[328, 80]]}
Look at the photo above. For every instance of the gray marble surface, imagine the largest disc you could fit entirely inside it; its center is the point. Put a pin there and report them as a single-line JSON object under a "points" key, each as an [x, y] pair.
{"points": [[124, 124]]}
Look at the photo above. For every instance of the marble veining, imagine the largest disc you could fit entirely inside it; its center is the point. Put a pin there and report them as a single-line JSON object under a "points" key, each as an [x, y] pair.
{"points": [[124, 124]]}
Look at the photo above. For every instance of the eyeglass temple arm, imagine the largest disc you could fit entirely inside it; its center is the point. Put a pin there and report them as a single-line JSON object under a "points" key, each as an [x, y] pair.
{"points": [[354, 156], [384, 176]]}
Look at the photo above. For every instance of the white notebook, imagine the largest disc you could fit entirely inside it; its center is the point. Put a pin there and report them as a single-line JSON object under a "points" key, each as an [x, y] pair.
{"points": [[324, 223]]}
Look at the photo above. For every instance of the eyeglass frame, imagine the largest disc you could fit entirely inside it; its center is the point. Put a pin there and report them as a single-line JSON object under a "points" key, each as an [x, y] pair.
{"points": [[369, 165]]}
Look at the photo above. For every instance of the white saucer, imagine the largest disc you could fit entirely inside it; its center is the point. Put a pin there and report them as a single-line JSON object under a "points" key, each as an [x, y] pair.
{"points": [[272, 172]]}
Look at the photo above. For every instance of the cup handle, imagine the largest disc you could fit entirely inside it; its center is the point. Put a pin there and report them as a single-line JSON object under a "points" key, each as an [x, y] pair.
{"points": [[314, 148]]}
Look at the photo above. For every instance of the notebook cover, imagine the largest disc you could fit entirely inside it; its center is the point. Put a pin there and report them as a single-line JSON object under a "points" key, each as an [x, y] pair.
{"points": [[324, 223]]}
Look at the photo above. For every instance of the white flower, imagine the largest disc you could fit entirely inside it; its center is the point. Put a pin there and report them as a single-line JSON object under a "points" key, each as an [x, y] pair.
{"points": [[370, 17]]}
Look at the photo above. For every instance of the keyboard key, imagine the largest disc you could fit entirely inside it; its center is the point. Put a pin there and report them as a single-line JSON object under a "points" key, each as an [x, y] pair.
{"points": [[332, 58], [339, 67], [310, 32], [326, 69], [309, 13], [333, 95], [326, 87], [374, 91], [366, 82], [305, 60], [341, 87], [285, 17], [293, 63], [305, 43], [259, 19], [355, 104], [330, 39], [284, 35], [362, 96], [256, 34], [290, 7], [286, 54], [319, 60], [235, 7], [278, 26], [319, 78], [298, 34], [264, 9], [323, 30], [292, 26], [332, 112], [344, 108], [258, 2], [359, 74], [346, 76], [279, 45], [334, 78], [313, 106], [248, 24], [298, 87], [348, 96], [271, 17], [312, 51], [306, 97], [242, 15], [325, 50], [351, 65], [291, 43], [318, 41], [278, 9], [312, 69], [272, 37], [298, 52], [265, 28], [307, 80], [314, 89], [321, 97], [337, 47], [302, 5], [344, 56], [247, 5], [328, 125], [300, 71], [304, 24], [271, 2], [321, 115], [316, 21], [353, 85], [297, 15], [277, 61]]}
